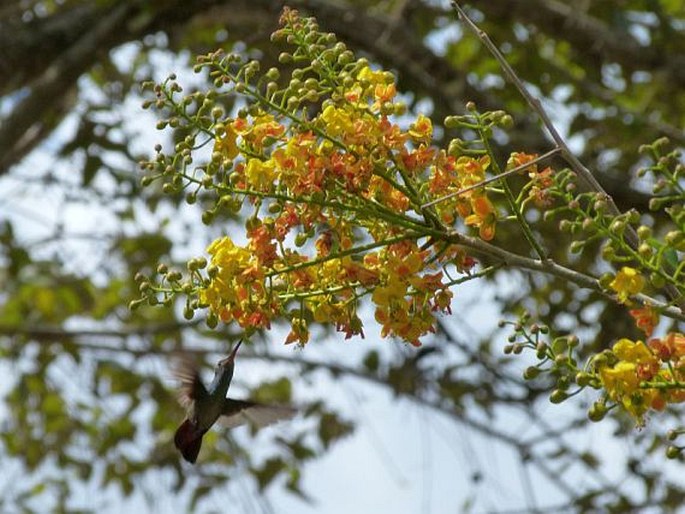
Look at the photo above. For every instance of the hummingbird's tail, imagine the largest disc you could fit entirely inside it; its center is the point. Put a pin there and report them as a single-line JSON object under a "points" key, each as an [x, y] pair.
{"points": [[188, 440]]}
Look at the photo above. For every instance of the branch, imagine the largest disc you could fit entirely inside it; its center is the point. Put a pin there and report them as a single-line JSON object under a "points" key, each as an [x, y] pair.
{"points": [[57, 78], [549, 267], [594, 37], [487, 181], [457, 415], [57, 333], [583, 173]]}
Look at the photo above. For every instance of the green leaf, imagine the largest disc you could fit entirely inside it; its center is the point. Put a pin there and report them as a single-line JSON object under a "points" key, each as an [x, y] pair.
{"points": [[268, 472], [92, 166], [371, 361], [278, 391], [199, 493], [332, 428]]}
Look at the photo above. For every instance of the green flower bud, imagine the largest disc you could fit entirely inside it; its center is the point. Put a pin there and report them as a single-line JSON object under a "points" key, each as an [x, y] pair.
{"points": [[273, 74], [207, 217], [506, 121], [451, 122], [617, 227], [597, 412], [541, 350], [558, 396], [608, 252], [577, 246], [134, 305], [645, 251], [531, 372], [657, 280], [300, 239], [674, 238], [583, 378], [212, 320], [644, 232], [673, 452]]}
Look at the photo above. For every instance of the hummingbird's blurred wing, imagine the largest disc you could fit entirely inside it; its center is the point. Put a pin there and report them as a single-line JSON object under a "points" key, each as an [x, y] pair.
{"points": [[186, 371], [238, 412]]}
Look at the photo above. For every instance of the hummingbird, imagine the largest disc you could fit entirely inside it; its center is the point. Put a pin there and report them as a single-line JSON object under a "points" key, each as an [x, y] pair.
{"points": [[205, 406]]}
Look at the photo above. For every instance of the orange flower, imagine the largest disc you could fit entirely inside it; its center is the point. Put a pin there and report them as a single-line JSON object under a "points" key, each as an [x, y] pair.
{"points": [[484, 217], [670, 348], [539, 192], [646, 318], [261, 243], [517, 159], [299, 332]]}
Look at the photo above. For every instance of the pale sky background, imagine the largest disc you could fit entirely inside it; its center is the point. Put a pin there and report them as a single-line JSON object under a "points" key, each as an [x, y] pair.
{"points": [[401, 459]]}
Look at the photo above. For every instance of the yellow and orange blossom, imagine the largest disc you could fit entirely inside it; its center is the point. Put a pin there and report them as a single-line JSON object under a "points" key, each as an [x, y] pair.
{"points": [[627, 282]]}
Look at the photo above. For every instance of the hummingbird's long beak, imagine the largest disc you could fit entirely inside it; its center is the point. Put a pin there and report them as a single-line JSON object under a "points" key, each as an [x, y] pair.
{"points": [[231, 356]]}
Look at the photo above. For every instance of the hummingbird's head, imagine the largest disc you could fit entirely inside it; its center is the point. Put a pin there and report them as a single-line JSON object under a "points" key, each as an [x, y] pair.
{"points": [[230, 360]]}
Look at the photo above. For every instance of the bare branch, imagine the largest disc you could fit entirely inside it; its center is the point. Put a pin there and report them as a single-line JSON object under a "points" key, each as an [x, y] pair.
{"points": [[584, 174], [563, 20], [549, 267], [57, 78]]}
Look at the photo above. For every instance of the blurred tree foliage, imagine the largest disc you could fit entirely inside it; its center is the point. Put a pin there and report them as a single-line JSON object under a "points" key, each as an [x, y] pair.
{"points": [[85, 396]]}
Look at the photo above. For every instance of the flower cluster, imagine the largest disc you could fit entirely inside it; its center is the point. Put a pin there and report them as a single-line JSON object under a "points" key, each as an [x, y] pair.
{"points": [[346, 197], [337, 186], [633, 375], [541, 182], [641, 376]]}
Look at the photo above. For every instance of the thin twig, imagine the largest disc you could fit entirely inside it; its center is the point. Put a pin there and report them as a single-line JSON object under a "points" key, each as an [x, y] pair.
{"points": [[59, 76], [584, 174], [57, 333], [455, 414], [495, 178], [550, 267]]}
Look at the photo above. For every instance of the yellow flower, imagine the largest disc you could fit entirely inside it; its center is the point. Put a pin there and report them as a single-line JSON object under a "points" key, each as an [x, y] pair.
{"points": [[366, 74], [622, 380], [384, 93], [260, 174], [421, 131], [229, 258], [627, 282], [635, 352], [471, 171], [336, 121], [226, 145], [393, 292]]}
